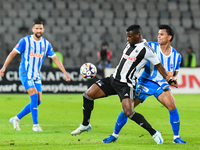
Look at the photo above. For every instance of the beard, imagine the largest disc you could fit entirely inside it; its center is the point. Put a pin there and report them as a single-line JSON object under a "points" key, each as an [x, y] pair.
{"points": [[38, 36]]}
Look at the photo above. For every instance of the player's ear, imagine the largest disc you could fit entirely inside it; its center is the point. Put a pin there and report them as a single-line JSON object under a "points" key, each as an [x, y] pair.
{"points": [[169, 37]]}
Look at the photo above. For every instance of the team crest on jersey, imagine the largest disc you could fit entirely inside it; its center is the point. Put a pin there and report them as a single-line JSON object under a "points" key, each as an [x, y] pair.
{"points": [[171, 66], [43, 49], [17, 45]]}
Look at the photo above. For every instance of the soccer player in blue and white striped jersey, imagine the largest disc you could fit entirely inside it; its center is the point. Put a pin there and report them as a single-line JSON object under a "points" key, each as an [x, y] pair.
{"points": [[151, 82], [33, 49]]}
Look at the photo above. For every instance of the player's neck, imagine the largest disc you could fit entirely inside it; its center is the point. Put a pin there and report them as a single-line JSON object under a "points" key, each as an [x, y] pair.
{"points": [[166, 48]]}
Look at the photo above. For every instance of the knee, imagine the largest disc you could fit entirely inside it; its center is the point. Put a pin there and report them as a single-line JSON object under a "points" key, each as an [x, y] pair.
{"points": [[128, 112], [171, 106]]}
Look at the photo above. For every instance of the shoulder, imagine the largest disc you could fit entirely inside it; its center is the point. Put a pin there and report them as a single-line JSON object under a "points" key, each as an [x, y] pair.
{"points": [[45, 40], [153, 43], [175, 51], [148, 47], [23, 40]]}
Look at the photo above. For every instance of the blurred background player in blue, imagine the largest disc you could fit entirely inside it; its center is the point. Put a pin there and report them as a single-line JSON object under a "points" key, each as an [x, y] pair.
{"points": [[33, 49], [151, 82], [104, 56]]}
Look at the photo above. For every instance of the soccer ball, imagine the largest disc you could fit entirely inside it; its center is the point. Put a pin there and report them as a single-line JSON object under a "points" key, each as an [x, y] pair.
{"points": [[88, 71]]}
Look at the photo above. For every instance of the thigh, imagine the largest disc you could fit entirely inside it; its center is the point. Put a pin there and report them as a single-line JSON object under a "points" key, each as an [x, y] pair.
{"points": [[123, 90], [167, 99], [101, 88], [105, 85], [95, 92], [27, 83]]}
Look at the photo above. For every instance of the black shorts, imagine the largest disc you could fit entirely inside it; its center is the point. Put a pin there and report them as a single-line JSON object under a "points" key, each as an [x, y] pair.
{"points": [[110, 86]]}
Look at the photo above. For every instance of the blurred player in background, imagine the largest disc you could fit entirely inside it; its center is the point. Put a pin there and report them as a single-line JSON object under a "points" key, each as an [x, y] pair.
{"points": [[151, 82], [190, 60], [33, 49], [135, 55], [59, 55]]}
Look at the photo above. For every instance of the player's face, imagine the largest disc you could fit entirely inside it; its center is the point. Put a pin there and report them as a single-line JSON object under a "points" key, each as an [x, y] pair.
{"points": [[132, 37], [38, 30], [163, 37]]}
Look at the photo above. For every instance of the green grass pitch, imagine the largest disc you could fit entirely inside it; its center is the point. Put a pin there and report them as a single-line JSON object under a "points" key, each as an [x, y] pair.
{"points": [[59, 114]]}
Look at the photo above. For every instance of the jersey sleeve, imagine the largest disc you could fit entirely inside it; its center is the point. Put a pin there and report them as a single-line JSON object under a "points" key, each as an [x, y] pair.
{"points": [[50, 51], [20, 46], [179, 63], [152, 57]]}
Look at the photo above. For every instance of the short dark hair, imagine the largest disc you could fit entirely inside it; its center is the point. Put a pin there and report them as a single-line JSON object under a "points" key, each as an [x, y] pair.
{"points": [[38, 22], [135, 28], [169, 30], [104, 43]]}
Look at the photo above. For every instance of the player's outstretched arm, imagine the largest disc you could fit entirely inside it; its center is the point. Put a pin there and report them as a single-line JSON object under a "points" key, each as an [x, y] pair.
{"points": [[171, 80], [7, 62], [61, 67]]}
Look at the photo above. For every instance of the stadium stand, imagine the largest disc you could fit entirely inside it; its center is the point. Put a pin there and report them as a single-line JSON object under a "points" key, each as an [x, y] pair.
{"points": [[74, 23]]}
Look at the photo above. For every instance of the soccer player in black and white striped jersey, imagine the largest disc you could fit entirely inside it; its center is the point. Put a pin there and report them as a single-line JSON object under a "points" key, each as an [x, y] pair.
{"points": [[135, 55]]}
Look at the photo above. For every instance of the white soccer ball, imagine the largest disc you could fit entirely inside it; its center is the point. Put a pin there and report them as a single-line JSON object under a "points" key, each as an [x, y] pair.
{"points": [[88, 71]]}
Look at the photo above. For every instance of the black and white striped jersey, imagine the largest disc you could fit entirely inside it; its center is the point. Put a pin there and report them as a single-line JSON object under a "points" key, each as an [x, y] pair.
{"points": [[133, 60]]}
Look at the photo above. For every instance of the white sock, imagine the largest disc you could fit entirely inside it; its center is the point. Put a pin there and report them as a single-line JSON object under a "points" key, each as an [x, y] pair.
{"points": [[115, 135], [176, 136], [16, 118]]}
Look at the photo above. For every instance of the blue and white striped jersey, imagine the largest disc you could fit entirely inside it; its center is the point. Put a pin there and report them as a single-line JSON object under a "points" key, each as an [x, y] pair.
{"points": [[171, 64], [32, 55]]}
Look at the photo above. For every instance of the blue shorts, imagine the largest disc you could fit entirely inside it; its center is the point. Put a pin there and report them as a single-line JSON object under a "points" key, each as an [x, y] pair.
{"points": [[147, 88], [30, 83]]}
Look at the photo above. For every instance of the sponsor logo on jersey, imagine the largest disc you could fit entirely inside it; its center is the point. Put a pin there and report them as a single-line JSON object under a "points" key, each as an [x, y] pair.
{"points": [[129, 57], [35, 54]]}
